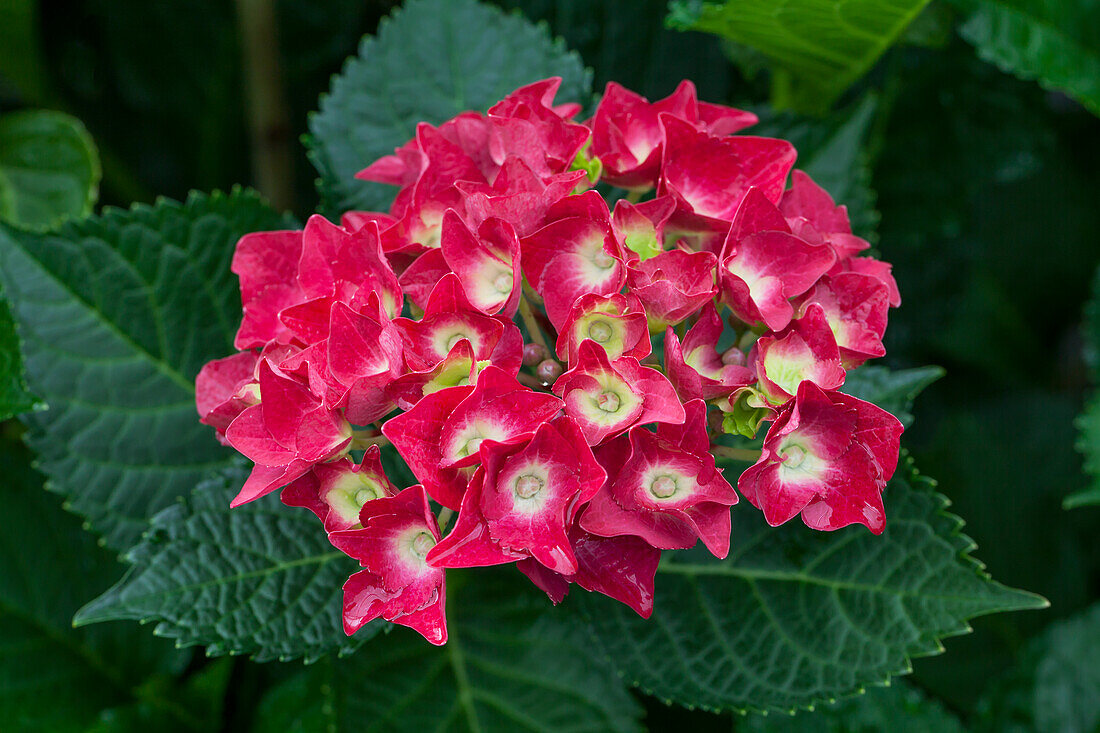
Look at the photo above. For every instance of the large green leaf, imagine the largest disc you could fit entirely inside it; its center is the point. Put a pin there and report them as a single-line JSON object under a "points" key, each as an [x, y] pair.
{"points": [[1056, 684], [1088, 422], [429, 61], [261, 579], [117, 313], [818, 48], [898, 708], [49, 168], [52, 677], [795, 617], [14, 396], [893, 391], [511, 663], [1088, 443], [1056, 42]]}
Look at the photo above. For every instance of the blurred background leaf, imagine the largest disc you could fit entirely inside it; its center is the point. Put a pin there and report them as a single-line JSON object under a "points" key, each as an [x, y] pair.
{"points": [[817, 48], [1057, 43], [53, 677]]}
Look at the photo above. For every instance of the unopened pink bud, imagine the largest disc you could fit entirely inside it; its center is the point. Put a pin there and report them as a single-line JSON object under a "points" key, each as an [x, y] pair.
{"points": [[548, 371], [533, 354]]}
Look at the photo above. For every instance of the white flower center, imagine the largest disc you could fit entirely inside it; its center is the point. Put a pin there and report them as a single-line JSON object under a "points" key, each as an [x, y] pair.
{"points": [[793, 456], [528, 485], [600, 331], [422, 543], [608, 401], [603, 260], [503, 283], [663, 486]]}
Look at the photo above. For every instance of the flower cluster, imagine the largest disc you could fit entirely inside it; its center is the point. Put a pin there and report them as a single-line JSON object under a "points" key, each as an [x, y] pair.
{"points": [[559, 373]]}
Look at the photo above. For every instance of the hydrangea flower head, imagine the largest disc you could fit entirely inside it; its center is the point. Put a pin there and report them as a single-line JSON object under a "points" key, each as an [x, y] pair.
{"points": [[563, 375]]}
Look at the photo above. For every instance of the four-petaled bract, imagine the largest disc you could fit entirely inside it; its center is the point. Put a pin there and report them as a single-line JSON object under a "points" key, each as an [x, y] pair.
{"points": [[498, 329]]}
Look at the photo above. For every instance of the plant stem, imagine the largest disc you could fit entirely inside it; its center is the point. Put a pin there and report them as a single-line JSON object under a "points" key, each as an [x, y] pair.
{"points": [[361, 440], [747, 455], [445, 518], [268, 117], [533, 329]]}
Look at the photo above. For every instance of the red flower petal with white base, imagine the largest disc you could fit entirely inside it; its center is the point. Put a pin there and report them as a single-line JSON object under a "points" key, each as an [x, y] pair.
{"points": [[607, 398], [396, 583]]}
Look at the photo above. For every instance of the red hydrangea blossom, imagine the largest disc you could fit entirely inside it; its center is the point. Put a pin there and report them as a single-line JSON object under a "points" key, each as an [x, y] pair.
{"points": [[498, 330]]}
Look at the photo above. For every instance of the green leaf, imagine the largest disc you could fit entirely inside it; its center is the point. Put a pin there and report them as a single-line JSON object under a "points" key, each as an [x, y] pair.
{"points": [[1088, 422], [512, 662], [1088, 444], [893, 391], [53, 677], [261, 579], [1057, 43], [49, 168], [898, 708], [818, 47], [20, 57], [834, 153], [429, 61], [1056, 684], [117, 313], [795, 617], [14, 396]]}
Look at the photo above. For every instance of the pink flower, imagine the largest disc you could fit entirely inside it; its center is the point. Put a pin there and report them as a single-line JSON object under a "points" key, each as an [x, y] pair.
{"points": [[487, 264], [457, 369], [348, 267], [607, 398], [224, 388], [760, 272], [443, 432], [856, 308], [709, 175], [640, 227], [289, 431], [267, 264], [337, 491], [804, 351], [523, 500], [627, 136], [813, 216], [664, 488], [673, 285], [623, 568], [828, 455], [364, 356], [881, 271], [525, 124], [449, 318], [576, 254], [696, 369], [615, 322], [396, 583]]}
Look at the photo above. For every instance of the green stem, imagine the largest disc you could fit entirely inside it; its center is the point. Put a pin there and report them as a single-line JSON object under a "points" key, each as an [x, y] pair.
{"points": [[747, 455], [533, 329], [361, 440], [445, 518]]}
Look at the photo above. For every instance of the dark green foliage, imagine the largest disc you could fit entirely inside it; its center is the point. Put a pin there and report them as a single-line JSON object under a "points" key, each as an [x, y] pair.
{"points": [[512, 662], [117, 313], [261, 579], [795, 617], [374, 105]]}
